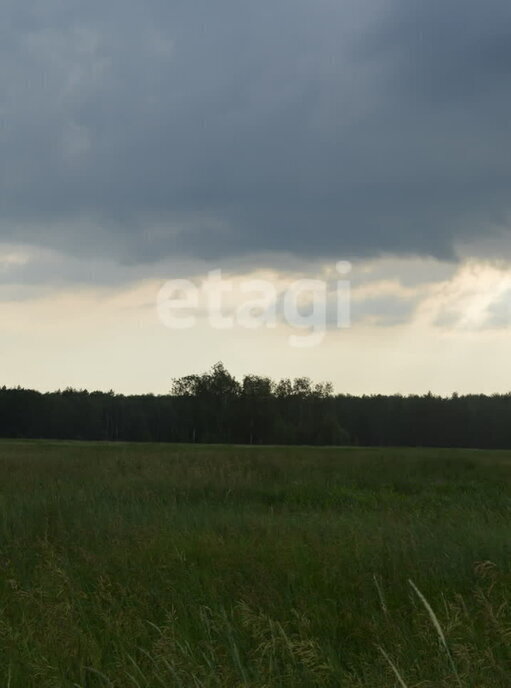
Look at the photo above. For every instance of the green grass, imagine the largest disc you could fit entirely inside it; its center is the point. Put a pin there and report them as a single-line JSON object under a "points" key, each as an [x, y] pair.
{"points": [[207, 566]]}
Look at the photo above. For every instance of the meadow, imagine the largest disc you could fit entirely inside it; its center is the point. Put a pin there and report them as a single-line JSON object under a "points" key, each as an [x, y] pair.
{"points": [[146, 565]]}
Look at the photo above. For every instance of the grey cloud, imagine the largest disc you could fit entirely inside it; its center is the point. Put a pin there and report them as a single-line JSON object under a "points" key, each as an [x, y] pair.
{"points": [[499, 313], [385, 311], [143, 130], [406, 272]]}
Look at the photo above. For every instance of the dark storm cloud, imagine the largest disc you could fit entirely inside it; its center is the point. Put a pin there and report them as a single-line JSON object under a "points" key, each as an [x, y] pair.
{"points": [[320, 128]]}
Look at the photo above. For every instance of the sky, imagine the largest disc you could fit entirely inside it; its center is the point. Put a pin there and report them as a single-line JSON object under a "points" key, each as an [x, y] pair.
{"points": [[267, 143]]}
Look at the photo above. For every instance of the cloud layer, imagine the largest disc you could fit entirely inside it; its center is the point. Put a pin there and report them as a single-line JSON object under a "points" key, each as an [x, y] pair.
{"points": [[136, 131]]}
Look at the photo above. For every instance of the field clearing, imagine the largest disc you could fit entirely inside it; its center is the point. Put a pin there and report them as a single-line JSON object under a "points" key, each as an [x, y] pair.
{"points": [[224, 566]]}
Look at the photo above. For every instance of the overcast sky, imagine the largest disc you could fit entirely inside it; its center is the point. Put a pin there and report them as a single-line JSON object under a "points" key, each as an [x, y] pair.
{"points": [[143, 141]]}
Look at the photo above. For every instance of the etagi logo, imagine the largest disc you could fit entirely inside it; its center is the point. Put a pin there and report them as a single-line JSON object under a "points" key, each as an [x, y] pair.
{"points": [[309, 306]]}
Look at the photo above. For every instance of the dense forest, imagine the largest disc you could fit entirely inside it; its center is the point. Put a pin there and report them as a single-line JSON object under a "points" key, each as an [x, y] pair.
{"points": [[215, 407]]}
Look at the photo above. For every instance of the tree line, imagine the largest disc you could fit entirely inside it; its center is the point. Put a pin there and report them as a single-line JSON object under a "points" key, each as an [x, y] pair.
{"points": [[216, 407]]}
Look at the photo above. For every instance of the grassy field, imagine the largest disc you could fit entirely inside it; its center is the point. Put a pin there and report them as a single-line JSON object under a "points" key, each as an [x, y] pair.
{"points": [[144, 565]]}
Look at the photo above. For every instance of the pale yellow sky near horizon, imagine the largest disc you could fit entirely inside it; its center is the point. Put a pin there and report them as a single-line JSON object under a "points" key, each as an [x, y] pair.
{"points": [[454, 336]]}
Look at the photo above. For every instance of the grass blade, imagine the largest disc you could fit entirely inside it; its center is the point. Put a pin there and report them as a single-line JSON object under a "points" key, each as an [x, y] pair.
{"points": [[393, 667], [438, 628]]}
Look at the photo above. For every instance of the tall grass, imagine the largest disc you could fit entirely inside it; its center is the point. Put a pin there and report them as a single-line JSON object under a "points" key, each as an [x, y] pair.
{"points": [[149, 565]]}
